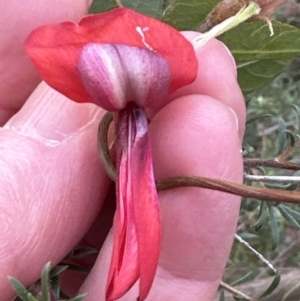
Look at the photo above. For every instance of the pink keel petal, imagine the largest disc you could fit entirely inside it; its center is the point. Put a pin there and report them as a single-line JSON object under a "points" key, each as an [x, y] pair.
{"points": [[137, 221], [114, 74]]}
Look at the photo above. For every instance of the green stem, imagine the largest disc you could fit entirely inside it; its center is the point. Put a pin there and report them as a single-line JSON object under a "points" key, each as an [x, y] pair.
{"points": [[265, 194], [103, 147]]}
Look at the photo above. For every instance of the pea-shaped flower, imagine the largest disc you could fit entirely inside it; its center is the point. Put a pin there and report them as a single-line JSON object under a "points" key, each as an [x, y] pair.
{"points": [[124, 62]]}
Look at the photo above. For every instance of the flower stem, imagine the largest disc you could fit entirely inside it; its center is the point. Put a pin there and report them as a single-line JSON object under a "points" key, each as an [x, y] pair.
{"points": [[273, 163], [235, 292], [266, 194], [244, 14], [103, 147]]}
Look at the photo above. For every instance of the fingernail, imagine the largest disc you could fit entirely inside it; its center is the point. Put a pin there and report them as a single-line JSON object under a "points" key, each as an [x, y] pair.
{"points": [[49, 115]]}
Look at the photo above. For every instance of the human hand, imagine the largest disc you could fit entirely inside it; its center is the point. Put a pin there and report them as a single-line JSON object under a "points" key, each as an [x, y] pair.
{"points": [[53, 185]]}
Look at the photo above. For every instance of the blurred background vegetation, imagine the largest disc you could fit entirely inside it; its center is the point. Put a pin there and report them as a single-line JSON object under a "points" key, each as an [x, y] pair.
{"points": [[273, 115]]}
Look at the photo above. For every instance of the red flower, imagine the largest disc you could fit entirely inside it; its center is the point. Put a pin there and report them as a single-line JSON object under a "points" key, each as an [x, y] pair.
{"points": [[124, 62]]}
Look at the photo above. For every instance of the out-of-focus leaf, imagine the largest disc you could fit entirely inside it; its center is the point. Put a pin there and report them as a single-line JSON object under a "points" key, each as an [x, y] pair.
{"points": [[248, 235], [222, 295], [290, 291], [292, 137], [261, 217], [30, 297], [55, 287], [187, 15], [274, 227], [272, 287], [153, 8], [249, 276], [254, 118], [281, 136], [82, 252], [57, 270], [78, 298], [238, 298], [295, 214], [289, 218], [100, 6]]}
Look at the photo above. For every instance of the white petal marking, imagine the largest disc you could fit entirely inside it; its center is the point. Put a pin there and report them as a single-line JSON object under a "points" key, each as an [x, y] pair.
{"points": [[141, 33]]}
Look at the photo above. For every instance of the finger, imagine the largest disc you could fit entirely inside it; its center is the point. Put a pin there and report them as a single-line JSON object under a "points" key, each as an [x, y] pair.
{"points": [[217, 78], [52, 184], [195, 135], [18, 19]]}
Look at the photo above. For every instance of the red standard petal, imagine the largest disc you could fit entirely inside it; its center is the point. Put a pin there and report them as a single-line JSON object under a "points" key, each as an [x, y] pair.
{"points": [[137, 221], [55, 49]]}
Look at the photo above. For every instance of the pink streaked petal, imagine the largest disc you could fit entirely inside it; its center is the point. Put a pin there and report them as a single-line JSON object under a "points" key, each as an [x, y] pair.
{"points": [[114, 74], [124, 268], [137, 220], [145, 203]]}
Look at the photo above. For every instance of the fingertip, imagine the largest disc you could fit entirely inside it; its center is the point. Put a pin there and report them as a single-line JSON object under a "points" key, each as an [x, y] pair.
{"points": [[18, 19], [51, 117], [217, 77], [196, 136], [52, 183]]}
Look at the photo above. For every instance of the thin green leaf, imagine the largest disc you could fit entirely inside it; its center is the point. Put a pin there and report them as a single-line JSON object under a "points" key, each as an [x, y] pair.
{"points": [[19, 288], [78, 253], [222, 295], [295, 214], [246, 235], [238, 298], [55, 287], [261, 216], [272, 287], [247, 277], [291, 135], [45, 285], [254, 118], [187, 15], [281, 136], [290, 291], [153, 8], [295, 108], [78, 298], [79, 269], [278, 185], [58, 270], [289, 218], [30, 297], [274, 227]]}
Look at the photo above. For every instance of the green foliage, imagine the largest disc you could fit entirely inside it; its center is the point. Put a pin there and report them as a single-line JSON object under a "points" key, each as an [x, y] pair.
{"points": [[272, 287], [187, 15], [45, 288], [153, 8], [260, 58]]}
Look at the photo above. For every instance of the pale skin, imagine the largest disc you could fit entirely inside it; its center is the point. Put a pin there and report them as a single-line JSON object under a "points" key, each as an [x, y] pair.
{"points": [[53, 186]]}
